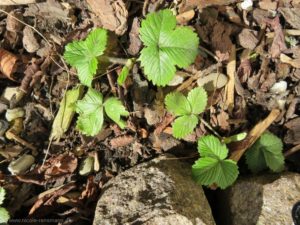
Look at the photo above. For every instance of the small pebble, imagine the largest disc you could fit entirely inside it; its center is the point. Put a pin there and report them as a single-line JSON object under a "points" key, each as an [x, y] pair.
{"points": [[15, 113], [87, 166], [21, 164], [279, 87]]}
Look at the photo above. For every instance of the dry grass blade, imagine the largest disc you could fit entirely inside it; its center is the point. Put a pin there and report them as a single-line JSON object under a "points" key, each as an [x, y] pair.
{"points": [[231, 68], [16, 2]]}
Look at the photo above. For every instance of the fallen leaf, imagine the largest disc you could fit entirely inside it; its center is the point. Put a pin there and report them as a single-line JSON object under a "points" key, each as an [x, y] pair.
{"points": [[135, 43], [248, 39], [293, 134], [65, 113], [293, 62], [278, 44], [54, 168], [292, 16], [113, 14], [121, 141], [30, 42], [51, 196], [8, 64]]}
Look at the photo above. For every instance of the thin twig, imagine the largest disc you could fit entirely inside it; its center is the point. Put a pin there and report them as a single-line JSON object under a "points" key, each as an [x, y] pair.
{"points": [[208, 52], [210, 128]]}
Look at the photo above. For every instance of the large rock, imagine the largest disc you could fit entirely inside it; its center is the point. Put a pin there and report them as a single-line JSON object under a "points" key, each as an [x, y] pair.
{"points": [[262, 200], [159, 192]]}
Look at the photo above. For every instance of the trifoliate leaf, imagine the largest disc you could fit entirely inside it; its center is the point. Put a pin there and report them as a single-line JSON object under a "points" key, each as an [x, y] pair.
{"points": [[210, 146], [177, 104], [65, 113], [184, 125], [266, 152], [114, 110], [166, 46], [197, 99], [208, 171], [90, 109], [2, 195], [83, 55], [4, 216]]}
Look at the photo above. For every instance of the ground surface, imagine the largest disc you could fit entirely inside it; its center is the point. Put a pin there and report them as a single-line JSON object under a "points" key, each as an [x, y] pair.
{"points": [[258, 47]]}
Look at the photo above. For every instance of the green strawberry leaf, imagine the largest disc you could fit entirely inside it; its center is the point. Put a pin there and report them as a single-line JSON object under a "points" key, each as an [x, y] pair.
{"points": [[90, 109], [266, 152], [210, 146], [83, 55], [166, 46], [177, 104], [208, 171], [2, 195], [184, 125], [114, 110], [197, 99], [4, 216]]}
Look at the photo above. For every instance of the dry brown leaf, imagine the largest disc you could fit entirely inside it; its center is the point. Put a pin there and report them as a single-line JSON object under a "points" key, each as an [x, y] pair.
{"points": [[292, 16], [8, 63], [134, 38], [268, 4], [91, 189], [278, 44], [293, 133], [293, 62], [30, 43], [55, 168], [112, 14], [49, 198], [121, 141], [185, 17], [201, 4]]}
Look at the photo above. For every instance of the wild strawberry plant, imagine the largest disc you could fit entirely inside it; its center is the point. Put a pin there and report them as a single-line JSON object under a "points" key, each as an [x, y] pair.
{"points": [[266, 152], [187, 110], [83, 55], [213, 167], [166, 46]]}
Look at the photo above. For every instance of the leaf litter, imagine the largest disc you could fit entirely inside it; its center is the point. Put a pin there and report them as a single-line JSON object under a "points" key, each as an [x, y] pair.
{"points": [[245, 54]]}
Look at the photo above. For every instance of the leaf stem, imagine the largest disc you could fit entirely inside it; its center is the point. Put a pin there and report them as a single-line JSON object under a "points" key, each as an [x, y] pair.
{"points": [[115, 60]]}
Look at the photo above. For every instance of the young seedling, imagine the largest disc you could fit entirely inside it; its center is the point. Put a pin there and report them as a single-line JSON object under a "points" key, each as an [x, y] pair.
{"points": [[91, 115], [83, 55], [4, 215], [186, 109], [213, 167], [166, 46], [266, 152]]}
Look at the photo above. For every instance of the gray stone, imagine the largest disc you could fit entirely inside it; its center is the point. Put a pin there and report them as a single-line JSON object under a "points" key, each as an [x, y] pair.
{"points": [[263, 200], [159, 192]]}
